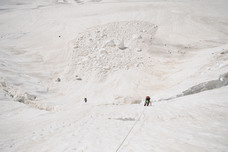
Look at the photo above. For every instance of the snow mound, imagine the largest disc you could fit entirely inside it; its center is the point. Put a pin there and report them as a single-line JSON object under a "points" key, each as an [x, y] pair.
{"points": [[112, 47]]}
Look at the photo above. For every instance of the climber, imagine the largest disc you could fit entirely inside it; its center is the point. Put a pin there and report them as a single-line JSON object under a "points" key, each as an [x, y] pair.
{"points": [[147, 101]]}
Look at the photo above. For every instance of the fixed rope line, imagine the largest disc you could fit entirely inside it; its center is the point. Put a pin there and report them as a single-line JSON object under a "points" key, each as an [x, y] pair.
{"points": [[130, 130]]}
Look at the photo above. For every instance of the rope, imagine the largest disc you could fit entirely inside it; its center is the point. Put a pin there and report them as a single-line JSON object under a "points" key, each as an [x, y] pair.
{"points": [[130, 131]]}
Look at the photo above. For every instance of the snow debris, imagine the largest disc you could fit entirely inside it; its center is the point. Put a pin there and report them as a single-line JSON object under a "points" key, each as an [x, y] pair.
{"points": [[109, 40], [121, 45]]}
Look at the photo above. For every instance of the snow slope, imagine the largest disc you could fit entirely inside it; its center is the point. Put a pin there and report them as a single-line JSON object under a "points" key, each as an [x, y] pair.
{"points": [[53, 54]]}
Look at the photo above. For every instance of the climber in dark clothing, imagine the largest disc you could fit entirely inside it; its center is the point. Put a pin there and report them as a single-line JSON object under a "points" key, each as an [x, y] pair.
{"points": [[147, 101]]}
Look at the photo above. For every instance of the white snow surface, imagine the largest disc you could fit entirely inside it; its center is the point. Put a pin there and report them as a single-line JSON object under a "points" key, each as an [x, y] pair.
{"points": [[55, 53]]}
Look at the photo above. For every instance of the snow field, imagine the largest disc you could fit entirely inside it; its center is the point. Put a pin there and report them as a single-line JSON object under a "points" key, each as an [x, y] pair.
{"points": [[53, 54]]}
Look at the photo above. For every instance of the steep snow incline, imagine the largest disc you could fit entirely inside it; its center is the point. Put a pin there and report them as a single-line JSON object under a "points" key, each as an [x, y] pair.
{"points": [[123, 57], [191, 123], [54, 53], [147, 66]]}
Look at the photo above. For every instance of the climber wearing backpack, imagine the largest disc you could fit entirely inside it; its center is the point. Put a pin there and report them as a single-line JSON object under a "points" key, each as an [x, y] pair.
{"points": [[147, 101]]}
